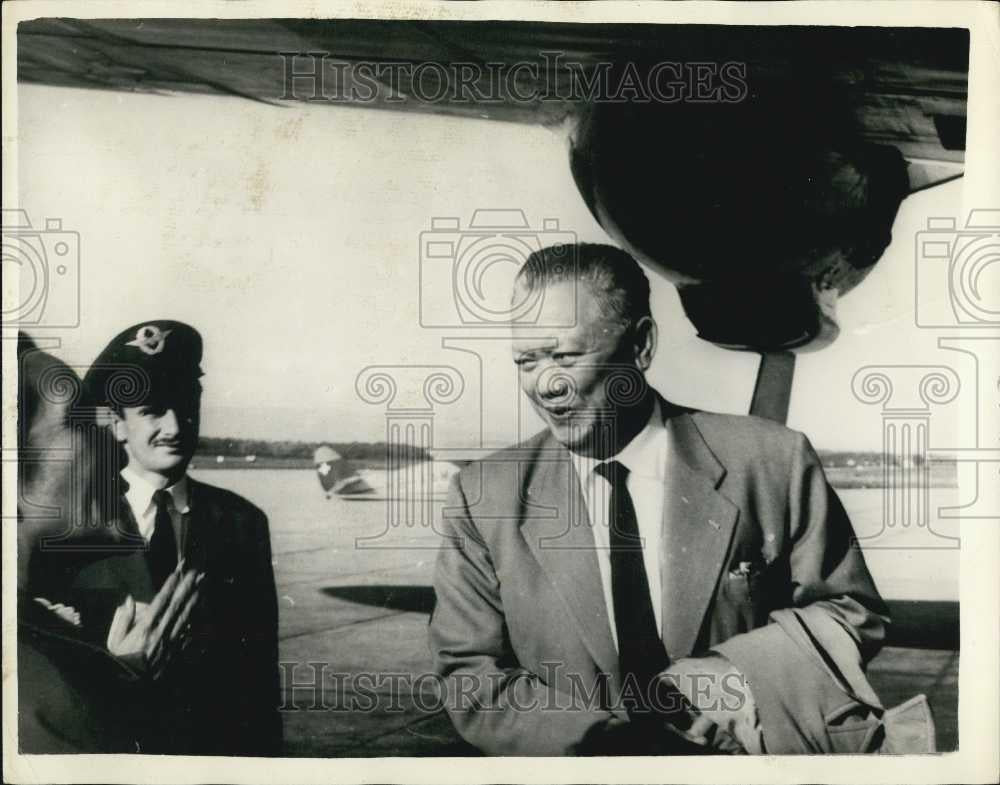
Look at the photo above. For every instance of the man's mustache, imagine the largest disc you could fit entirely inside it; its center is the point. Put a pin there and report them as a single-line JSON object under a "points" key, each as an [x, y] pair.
{"points": [[167, 442]]}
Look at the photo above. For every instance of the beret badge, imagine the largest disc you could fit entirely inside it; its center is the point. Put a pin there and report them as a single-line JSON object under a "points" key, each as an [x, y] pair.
{"points": [[150, 339]]}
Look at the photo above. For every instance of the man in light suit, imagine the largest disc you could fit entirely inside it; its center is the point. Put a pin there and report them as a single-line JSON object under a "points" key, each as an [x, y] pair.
{"points": [[644, 578]]}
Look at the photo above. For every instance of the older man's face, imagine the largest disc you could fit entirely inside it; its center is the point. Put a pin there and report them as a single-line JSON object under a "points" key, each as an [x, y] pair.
{"points": [[577, 377]]}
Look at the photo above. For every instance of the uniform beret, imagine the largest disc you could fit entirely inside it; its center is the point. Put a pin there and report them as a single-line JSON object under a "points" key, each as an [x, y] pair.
{"points": [[146, 360]]}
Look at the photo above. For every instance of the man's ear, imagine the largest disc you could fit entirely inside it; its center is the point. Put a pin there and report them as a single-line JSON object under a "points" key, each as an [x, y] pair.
{"points": [[646, 335], [118, 427]]}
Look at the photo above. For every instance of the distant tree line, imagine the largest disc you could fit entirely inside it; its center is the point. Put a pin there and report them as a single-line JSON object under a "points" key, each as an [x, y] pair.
{"points": [[848, 458], [376, 452], [369, 452]]}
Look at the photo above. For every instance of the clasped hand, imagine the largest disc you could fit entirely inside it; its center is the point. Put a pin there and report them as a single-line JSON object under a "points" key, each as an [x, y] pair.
{"points": [[718, 704], [148, 637]]}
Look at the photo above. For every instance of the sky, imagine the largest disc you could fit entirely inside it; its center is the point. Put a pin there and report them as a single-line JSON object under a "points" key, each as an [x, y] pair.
{"points": [[292, 238]]}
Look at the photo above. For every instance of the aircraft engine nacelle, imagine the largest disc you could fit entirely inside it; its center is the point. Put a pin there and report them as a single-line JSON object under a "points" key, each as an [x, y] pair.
{"points": [[762, 211]]}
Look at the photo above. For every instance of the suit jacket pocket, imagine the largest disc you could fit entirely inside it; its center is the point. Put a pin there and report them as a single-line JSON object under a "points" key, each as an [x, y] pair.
{"points": [[738, 587], [746, 589], [854, 728]]}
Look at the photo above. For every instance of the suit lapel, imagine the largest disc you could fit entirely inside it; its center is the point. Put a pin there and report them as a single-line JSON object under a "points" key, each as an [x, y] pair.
{"points": [[134, 567], [557, 529], [195, 528], [119, 571], [131, 569], [698, 524], [129, 529]]}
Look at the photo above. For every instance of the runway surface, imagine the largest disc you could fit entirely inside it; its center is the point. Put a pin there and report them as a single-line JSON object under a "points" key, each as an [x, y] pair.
{"points": [[355, 595]]}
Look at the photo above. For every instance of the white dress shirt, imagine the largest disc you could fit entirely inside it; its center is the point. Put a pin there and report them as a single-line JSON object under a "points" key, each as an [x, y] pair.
{"points": [[140, 499], [645, 457]]}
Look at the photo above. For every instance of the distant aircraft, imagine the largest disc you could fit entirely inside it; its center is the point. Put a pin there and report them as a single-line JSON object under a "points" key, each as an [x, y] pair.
{"points": [[419, 480], [336, 476], [412, 482]]}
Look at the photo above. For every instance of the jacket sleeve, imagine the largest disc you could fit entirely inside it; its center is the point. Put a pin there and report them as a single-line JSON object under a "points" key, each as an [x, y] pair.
{"points": [[262, 688], [798, 681], [494, 703]]}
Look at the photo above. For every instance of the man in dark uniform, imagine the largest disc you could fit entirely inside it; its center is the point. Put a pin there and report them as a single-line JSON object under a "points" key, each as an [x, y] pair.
{"points": [[213, 667]]}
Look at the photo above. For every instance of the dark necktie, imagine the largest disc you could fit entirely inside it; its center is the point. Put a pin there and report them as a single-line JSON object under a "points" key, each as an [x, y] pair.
{"points": [[162, 553], [640, 651]]}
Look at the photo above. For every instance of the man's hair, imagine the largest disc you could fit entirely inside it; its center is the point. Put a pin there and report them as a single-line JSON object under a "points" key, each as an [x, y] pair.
{"points": [[615, 278]]}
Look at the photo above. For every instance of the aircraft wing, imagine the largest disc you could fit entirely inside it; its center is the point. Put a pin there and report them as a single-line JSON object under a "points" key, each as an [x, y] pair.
{"points": [[907, 86]]}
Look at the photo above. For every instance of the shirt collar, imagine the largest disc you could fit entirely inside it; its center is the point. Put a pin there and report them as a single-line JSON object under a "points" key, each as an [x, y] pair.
{"points": [[644, 456], [140, 492]]}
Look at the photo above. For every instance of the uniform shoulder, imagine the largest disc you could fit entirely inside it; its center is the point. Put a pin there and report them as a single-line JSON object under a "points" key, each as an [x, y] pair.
{"points": [[221, 498]]}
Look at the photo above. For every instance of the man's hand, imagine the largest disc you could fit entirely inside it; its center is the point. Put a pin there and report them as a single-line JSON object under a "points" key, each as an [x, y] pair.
{"points": [[722, 709], [147, 638]]}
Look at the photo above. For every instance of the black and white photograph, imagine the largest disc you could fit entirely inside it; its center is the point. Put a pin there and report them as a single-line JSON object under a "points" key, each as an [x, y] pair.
{"points": [[425, 384]]}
